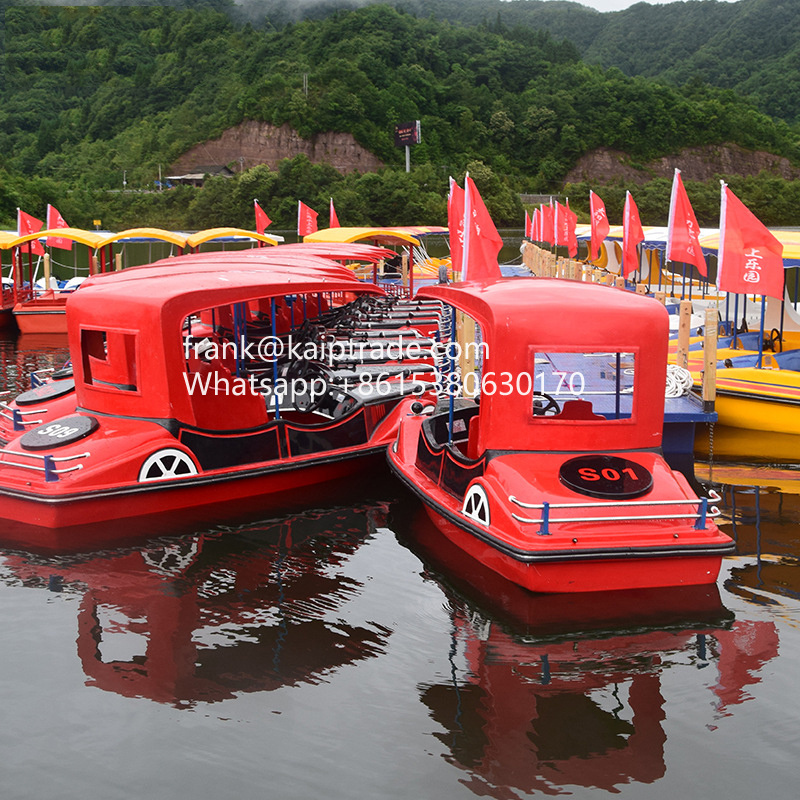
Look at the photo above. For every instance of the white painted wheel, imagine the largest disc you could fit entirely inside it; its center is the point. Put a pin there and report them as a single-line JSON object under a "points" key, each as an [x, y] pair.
{"points": [[165, 465], [476, 505]]}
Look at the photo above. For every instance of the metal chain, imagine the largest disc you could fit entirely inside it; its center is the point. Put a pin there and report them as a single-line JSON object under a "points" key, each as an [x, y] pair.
{"points": [[711, 452]]}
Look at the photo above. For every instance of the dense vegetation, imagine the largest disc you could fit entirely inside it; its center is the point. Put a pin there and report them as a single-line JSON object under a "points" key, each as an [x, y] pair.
{"points": [[90, 94]]}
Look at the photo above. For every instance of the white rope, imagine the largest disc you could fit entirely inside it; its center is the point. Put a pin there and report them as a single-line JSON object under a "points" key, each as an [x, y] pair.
{"points": [[679, 381]]}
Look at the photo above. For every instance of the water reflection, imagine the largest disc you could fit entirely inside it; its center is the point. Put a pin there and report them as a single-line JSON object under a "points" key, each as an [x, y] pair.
{"points": [[22, 355], [761, 507], [204, 617], [569, 690]]}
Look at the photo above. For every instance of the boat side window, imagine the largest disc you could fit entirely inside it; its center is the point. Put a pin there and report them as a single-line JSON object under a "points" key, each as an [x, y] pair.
{"points": [[109, 359], [583, 385]]}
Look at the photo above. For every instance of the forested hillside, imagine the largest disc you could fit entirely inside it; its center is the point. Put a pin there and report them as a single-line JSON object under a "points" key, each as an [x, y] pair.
{"points": [[751, 46], [89, 94]]}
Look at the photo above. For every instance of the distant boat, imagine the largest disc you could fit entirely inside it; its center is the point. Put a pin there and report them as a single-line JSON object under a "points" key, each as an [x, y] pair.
{"points": [[39, 305]]}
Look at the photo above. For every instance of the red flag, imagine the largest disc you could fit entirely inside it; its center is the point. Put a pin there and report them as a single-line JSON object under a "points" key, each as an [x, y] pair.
{"points": [[632, 234], [55, 220], [547, 224], [482, 242], [750, 259], [334, 220], [306, 219], [455, 225], [528, 228], [683, 233], [27, 224], [536, 225], [565, 222], [262, 220], [572, 236], [600, 226]]}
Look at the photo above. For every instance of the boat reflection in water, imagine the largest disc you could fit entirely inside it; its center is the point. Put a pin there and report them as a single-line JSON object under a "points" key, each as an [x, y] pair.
{"points": [[549, 691], [202, 618], [761, 512]]}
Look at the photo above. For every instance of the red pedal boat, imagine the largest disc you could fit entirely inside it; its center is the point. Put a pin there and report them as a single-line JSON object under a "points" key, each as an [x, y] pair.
{"points": [[188, 392], [553, 475]]}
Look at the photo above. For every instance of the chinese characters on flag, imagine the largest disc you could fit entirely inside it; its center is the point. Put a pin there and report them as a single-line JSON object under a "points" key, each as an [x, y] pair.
{"points": [[600, 226], [683, 233], [750, 258], [55, 220], [565, 221], [306, 219], [26, 224]]}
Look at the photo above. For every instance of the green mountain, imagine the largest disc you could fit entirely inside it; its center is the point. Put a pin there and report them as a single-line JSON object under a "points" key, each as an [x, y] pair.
{"points": [[88, 94]]}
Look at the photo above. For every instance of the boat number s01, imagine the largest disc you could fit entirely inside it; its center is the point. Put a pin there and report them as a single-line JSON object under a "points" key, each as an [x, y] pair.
{"points": [[606, 476]]}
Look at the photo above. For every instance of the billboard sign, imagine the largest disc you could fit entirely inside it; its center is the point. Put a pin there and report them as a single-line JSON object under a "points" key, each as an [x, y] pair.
{"points": [[407, 133]]}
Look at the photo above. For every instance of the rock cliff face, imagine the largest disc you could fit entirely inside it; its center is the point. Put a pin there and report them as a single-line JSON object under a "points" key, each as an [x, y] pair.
{"points": [[253, 143], [695, 164]]}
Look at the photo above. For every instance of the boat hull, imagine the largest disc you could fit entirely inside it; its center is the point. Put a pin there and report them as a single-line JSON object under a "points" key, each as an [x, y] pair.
{"points": [[41, 317], [584, 574], [119, 513], [6, 319]]}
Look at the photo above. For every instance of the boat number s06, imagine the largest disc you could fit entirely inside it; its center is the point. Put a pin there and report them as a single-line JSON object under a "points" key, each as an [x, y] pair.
{"points": [[56, 431]]}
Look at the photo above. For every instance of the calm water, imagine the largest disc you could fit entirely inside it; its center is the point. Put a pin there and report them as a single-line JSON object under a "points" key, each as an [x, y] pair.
{"points": [[343, 651]]}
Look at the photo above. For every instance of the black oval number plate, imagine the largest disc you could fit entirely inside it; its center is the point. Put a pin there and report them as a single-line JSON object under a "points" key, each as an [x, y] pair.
{"points": [[606, 476], [47, 391], [58, 433]]}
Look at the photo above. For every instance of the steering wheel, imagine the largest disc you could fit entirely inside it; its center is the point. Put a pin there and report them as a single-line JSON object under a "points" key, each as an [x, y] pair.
{"points": [[299, 369], [774, 338], [549, 409], [309, 372]]}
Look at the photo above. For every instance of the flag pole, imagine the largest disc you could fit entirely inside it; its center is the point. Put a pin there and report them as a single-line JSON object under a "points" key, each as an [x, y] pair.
{"points": [[465, 247]]}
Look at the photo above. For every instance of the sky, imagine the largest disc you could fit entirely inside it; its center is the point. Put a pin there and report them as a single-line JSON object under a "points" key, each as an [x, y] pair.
{"points": [[618, 5]]}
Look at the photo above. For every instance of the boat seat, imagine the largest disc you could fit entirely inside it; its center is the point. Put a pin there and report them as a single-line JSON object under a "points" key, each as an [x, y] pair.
{"points": [[577, 409], [472, 438]]}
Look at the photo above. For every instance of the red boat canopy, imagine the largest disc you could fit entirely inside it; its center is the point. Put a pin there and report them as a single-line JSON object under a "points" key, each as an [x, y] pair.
{"points": [[523, 317], [125, 328]]}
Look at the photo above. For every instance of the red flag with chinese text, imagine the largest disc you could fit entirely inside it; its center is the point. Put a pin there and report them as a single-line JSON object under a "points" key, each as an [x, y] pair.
{"points": [[683, 232], [632, 235], [262, 220], [600, 226], [55, 220], [26, 224], [482, 242], [306, 219], [750, 259]]}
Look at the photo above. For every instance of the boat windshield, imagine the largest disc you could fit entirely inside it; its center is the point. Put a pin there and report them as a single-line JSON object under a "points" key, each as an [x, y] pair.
{"points": [[581, 385]]}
